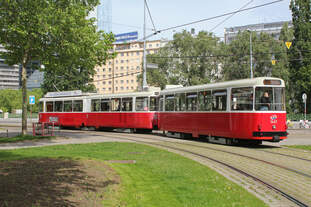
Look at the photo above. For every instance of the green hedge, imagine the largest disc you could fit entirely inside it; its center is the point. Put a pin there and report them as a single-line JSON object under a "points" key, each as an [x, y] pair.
{"points": [[298, 117]]}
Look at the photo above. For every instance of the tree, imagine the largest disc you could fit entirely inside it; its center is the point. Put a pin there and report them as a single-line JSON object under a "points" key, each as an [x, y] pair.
{"points": [[300, 52], [51, 32], [187, 60], [264, 49]]}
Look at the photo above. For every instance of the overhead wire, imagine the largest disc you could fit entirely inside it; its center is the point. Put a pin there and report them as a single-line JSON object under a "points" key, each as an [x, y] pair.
{"points": [[230, 16], [150, 16], [210, 18], [192, 57]]}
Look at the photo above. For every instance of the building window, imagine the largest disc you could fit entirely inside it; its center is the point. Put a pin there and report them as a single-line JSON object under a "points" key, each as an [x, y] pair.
{"points": [[109, 75], [104, 89], [127, 88], [116, 81], [122, 88], [150, 45], [132, 81], [104, 70], [122, 81], [121, 67], [137, 67], [132, 87], [109, 69], [104, 76], [122, 61], [127, 81], [117, 61], [137, 53], [104, 82], [116, 68], [109, 89], [122, 54], [116, 88]]}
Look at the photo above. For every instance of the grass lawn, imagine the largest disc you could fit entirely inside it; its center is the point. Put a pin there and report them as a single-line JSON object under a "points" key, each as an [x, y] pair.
{"points": [[305, 147], [20, 138], [151, 177]]}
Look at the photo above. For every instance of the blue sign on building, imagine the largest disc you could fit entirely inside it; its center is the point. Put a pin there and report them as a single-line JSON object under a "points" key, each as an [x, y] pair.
{"points": [[32, 100], [126, 37]]}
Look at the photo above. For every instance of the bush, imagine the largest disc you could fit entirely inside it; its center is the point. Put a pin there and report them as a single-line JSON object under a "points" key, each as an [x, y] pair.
{"points": [[297, 117]]}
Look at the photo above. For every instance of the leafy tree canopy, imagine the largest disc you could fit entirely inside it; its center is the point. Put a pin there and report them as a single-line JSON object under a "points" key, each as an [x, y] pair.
{"points": [[300, 52], [56, 33], [187, 60]]}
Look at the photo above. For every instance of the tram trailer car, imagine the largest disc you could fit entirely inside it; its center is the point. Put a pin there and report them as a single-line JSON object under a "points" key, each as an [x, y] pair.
{"points": [[135, 111], [232, 111]]}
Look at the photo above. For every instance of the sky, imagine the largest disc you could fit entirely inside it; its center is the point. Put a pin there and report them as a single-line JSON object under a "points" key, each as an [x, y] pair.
{"points": [[128, 15]]}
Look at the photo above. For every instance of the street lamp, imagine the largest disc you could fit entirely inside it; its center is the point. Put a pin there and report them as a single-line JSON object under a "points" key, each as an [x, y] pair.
{"points": [[251, 52], [145, 86]]}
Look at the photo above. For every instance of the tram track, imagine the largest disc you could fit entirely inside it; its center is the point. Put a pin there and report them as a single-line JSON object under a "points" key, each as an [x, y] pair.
{"points": [[231, 167], [180, 147]]}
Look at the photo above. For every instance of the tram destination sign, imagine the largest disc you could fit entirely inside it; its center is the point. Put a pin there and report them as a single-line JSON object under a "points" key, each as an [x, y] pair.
{"points": [[63, 93]]}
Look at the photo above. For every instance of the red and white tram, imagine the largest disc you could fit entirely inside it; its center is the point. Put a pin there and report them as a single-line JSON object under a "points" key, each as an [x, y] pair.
{"points": [[232, 111], [74, 109]]}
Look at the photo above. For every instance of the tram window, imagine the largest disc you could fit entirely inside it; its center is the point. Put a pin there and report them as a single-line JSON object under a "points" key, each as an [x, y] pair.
{"points": [[153, 104], [141, 104], [67, 106], [270, 98], [169, 103], [127, 104], [95, 104], [192, 101], [181, 102], [116, 104], [205, 101], [49, 106], [78, 105], [242, 99], [161, 103], [40, 108], [58, 106], [105, 105], [219, 100]]}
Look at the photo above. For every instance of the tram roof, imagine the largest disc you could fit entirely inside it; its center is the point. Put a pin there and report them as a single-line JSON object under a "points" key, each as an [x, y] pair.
{"points": [[103, 96], [260, 81]]}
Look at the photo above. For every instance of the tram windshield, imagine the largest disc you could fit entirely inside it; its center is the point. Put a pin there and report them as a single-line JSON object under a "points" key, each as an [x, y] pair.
{"points": [[270, 99]]}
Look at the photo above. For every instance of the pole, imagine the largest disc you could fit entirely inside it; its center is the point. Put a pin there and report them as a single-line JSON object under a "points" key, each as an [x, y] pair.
{"points": [[144, 58], [251, 52], [305, 110]]}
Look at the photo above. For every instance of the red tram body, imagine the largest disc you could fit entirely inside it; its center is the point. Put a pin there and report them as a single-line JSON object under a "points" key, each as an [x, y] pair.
{"points": [[233, 110], [100, 111]]}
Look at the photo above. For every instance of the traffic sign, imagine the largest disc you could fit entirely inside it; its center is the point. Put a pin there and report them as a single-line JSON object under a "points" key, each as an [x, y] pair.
{"points": [[288, 44], [273, 62], [32, 100]]}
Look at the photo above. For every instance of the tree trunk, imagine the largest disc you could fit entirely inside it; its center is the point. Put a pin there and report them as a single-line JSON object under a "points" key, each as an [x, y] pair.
{"points": [[24, 106]]}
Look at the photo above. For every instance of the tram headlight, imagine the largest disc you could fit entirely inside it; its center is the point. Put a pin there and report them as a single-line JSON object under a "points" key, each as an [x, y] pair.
{"points": [[273, 127]]}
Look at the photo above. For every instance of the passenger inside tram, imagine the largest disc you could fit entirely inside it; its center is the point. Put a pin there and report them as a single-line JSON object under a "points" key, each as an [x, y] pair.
{"points": [[265, 102]]}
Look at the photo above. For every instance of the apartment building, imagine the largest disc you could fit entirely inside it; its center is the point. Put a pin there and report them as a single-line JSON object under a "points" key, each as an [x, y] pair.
{"points": [[119, 75]]}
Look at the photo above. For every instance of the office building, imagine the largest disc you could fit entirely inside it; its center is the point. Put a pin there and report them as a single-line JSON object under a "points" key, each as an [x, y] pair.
{"points": [[273, 28]]}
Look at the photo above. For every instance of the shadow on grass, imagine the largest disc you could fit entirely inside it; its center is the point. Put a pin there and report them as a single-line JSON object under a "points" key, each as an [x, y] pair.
{"points": [[48, 182]]}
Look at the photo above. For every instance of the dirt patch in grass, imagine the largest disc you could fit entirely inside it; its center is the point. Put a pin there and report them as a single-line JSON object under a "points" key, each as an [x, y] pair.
{"points": [[56, 182]]}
